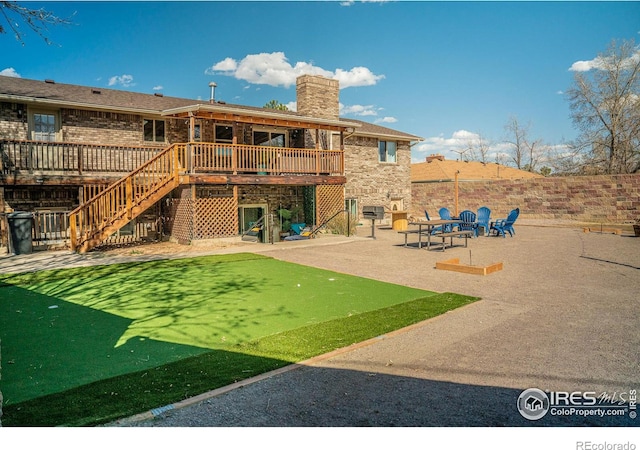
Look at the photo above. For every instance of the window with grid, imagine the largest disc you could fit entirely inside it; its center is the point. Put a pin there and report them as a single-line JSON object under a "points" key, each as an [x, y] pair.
{"points": [[44, 127]]}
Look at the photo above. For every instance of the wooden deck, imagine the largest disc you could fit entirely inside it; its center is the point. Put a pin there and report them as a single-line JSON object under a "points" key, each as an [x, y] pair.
{"points": [[28, 162]]}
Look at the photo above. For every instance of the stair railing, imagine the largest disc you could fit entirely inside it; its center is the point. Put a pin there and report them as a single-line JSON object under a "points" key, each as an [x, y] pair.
{"points": [[111, 209]]}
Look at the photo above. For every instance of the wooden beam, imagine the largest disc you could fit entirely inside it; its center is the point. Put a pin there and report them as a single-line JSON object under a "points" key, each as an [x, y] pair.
{"points": [[289, 123], [276, 180], [57, 180]]}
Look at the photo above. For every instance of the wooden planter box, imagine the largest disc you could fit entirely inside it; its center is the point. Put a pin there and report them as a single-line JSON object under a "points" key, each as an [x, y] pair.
{"points": [[455, 266]]}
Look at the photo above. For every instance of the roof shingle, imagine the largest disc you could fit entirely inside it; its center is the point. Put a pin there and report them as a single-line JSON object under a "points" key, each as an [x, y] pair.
{"points": [[444, 170]]}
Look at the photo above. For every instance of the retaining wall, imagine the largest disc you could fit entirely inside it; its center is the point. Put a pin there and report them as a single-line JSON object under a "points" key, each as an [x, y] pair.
{"points": [[601, 198]]}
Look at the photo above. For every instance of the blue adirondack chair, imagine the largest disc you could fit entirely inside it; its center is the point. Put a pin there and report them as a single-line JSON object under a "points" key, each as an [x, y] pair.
{"points": [[484, 216], [445, 214], [503, 226], [435, 230], [468, 222]]}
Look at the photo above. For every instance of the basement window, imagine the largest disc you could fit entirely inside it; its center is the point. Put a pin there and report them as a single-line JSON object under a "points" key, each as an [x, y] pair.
{"points": [[153, 130]]}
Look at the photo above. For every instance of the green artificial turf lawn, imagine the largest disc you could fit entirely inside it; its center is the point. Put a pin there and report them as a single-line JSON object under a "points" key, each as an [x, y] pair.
{"points": [[110, 341]]}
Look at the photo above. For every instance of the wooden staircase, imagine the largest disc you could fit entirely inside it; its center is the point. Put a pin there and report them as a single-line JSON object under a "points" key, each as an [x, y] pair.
{"points": [[101, 216]]}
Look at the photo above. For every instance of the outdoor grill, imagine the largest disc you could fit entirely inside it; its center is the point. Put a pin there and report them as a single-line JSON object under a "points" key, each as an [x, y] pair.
{"points": [[374, 213]]}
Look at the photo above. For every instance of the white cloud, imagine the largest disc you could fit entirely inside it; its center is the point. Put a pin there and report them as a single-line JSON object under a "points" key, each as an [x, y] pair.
{"points": [[585, 66], [449, 147], [10, 72], [352, 2], [602, 63], [358, 110], [274, 69], [123, 80], [226, 65], [386, 120], [292, 106], [358, 76], [158, 88]]}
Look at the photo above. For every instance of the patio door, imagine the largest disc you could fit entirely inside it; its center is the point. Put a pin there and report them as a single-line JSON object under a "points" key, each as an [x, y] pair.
{"points": [[250, 214]]}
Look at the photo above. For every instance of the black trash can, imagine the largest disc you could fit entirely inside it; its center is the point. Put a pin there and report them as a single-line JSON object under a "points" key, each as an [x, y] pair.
{"points": [[20, 229]]}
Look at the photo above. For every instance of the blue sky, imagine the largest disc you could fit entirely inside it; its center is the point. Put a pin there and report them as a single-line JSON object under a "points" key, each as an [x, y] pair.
{"points": [[445, 71]]}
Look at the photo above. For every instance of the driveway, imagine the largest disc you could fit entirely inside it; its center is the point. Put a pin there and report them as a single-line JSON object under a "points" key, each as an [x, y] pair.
{"points": [[562, 316]]}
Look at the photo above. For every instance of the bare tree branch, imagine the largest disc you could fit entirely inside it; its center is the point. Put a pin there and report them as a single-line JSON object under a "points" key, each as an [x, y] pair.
{"points": [[38, 20]]}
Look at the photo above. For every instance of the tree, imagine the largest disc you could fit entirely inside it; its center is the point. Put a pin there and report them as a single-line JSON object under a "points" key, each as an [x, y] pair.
{"points": [[605, 107], [525, 152], [274, 104], [38, 20], [477, 149]]}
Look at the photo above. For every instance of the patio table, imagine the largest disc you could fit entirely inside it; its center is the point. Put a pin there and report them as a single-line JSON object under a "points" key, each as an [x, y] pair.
{"points": [[428, 226]]}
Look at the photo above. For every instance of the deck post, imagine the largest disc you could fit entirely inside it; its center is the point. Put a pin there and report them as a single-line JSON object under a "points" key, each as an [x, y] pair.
{"points": [[129, 197], [73, 232]]}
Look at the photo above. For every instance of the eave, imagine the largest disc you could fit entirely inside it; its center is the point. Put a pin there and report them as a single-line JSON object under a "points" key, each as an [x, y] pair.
{"points": [[257, 117], [48, 102]]}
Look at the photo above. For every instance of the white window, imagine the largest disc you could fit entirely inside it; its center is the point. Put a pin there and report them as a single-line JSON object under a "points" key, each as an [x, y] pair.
{"points": [[153, 130], [44, 126], [387, 151]]}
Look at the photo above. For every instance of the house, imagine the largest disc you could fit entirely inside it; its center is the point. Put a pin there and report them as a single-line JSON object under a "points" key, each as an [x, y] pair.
{"points": [[438, 169], [98, 164]]}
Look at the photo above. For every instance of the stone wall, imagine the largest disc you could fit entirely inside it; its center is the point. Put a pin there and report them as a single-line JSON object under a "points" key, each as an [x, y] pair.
{"points": [[602, 198], [372, 182], [318, 96]]}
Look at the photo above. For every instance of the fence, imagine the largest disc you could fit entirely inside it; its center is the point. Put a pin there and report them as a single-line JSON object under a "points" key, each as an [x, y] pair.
{"points": [[51, 230]]}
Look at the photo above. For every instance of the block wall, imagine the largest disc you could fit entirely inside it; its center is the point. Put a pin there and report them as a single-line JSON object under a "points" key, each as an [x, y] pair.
{"points": [[601, 198]]}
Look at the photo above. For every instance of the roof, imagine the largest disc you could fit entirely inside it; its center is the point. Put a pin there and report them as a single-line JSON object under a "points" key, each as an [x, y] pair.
{"points": [[49, 92], [439, 169], [370, 129]]}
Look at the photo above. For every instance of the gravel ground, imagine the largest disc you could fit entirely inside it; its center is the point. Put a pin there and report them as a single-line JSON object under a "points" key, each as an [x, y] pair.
{"points": [[562, 315]]}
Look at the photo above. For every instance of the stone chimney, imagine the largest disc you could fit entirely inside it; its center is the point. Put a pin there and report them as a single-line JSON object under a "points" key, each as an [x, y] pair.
{"points": [[435, 157], [318, 96]]}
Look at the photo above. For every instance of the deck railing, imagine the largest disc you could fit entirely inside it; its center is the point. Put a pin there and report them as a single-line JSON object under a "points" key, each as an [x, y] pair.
{"points": [[75, 158], [209, 157], [51, 229], [72, 158], [48, 228]]}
